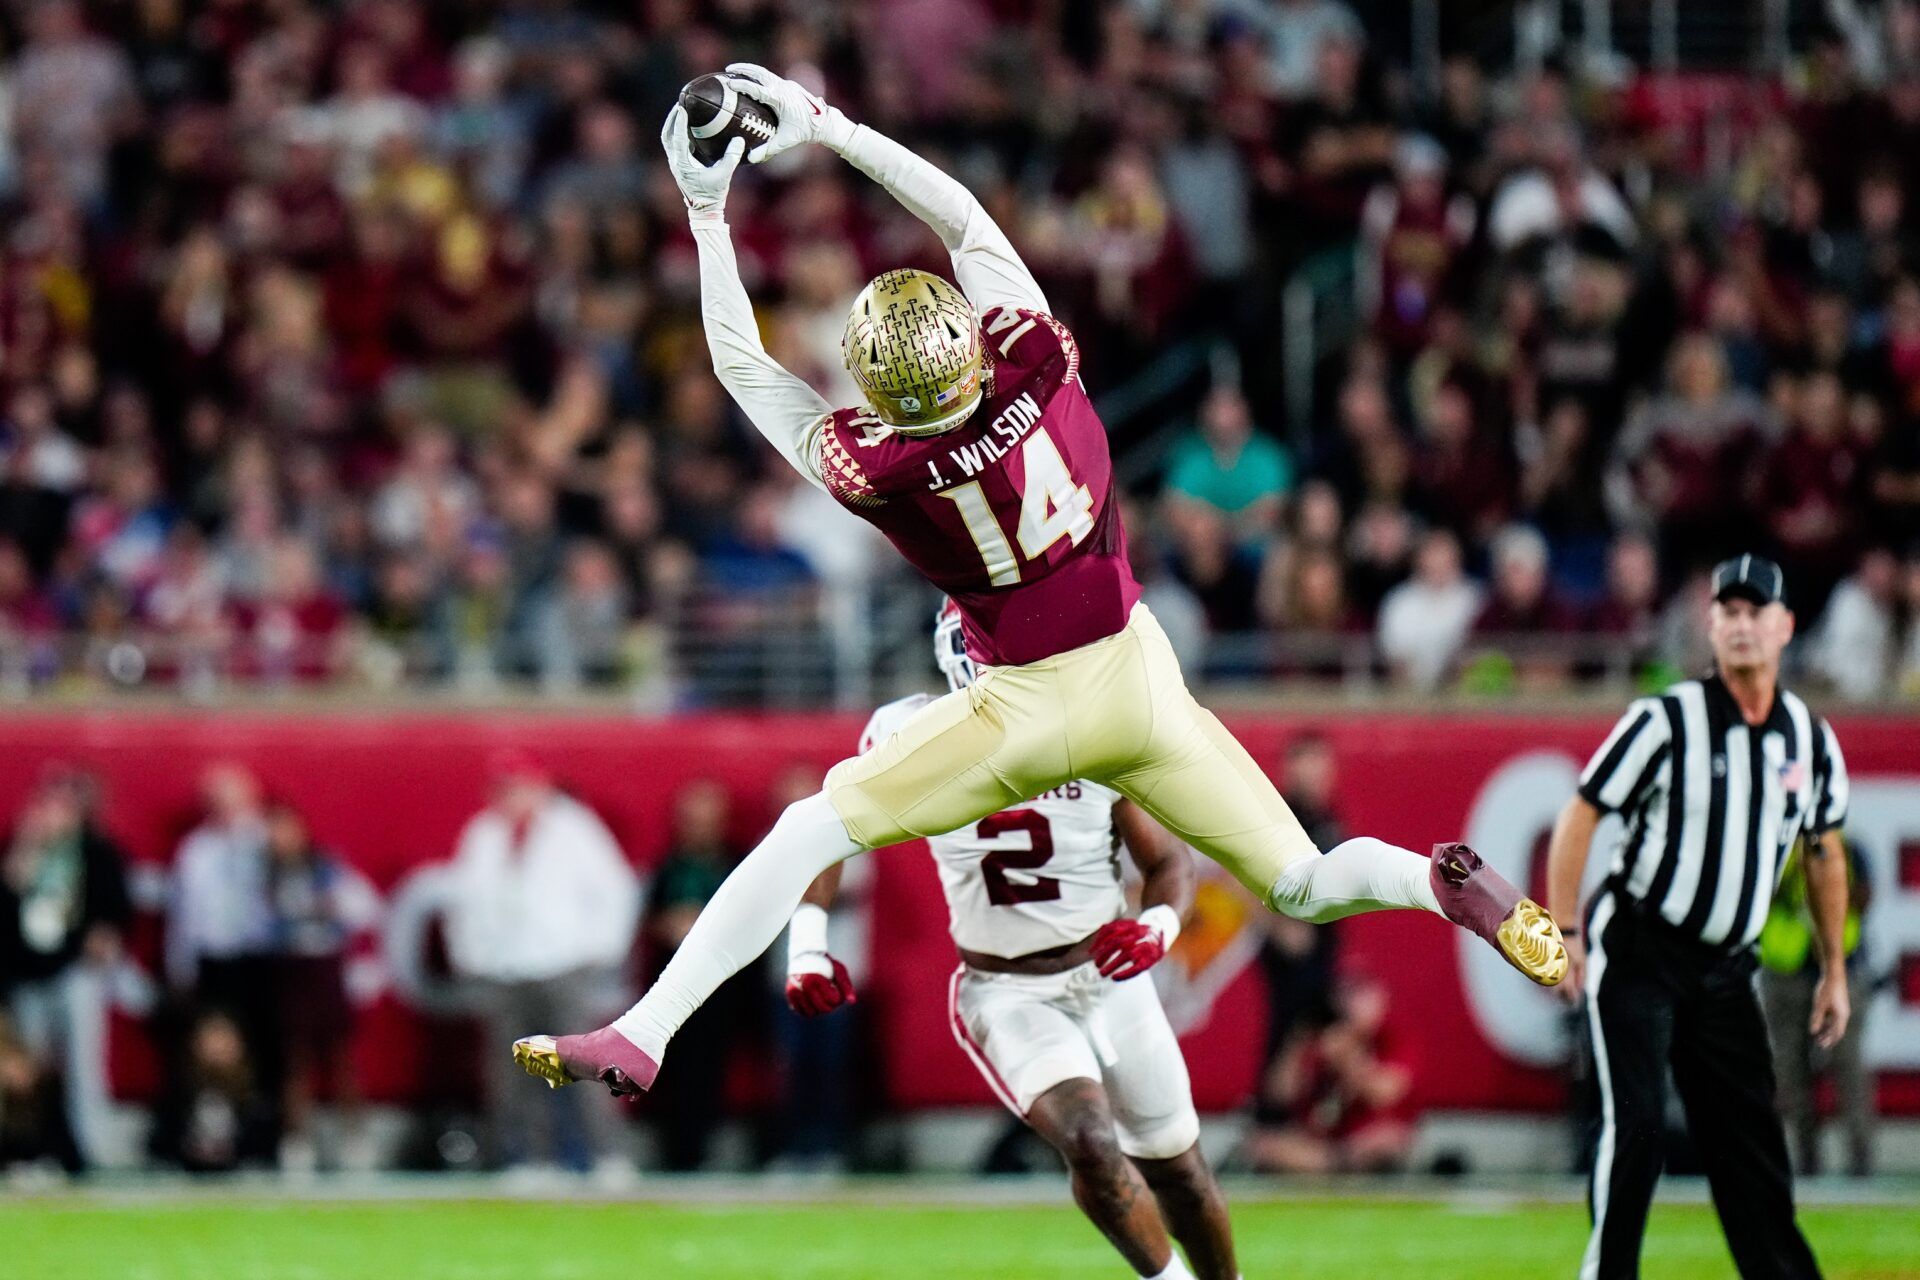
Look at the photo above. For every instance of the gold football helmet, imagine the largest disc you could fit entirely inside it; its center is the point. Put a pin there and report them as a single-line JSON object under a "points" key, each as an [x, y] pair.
{"points": [[913, 345]]}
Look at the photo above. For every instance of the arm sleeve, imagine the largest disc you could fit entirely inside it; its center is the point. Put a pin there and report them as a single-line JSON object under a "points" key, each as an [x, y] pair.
{"points": [[990, 273], [1830, 772], [781, 406], [1627, 765]]}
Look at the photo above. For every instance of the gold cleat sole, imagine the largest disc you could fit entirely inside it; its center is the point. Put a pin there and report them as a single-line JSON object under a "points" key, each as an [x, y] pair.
{"points": [[1531, 941], [537, 1056]]}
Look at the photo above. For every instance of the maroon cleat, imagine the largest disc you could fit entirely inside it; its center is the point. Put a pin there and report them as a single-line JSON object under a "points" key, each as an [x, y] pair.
{"points": [[1477, 897], [604, 1055]]}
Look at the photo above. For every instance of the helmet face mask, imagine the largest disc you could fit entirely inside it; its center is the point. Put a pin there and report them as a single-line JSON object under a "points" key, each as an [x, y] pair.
{"points": [[950, 648], [913, 345]]}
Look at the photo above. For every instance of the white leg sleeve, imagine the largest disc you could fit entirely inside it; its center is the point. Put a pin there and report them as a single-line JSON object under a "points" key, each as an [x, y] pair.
{"points": [[1363, 874], [742, 920]]}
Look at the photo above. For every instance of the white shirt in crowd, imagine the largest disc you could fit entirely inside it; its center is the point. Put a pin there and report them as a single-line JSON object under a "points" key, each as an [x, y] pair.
{"points": [[1526, 205], [1856, 645], [839, 546], [1293, 32], [1423, 625], [53, 461], [217, 908], [562, 899]]}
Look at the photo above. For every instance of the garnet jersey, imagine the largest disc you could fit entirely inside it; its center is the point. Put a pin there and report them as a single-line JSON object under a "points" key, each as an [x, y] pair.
{"points": [[1012, 513], [1040, 875]]}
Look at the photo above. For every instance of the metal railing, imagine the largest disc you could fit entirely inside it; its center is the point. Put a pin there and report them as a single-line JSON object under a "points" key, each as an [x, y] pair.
{"points": [[1609, 36], [805, 649], [709, 646], [1320, 311]]}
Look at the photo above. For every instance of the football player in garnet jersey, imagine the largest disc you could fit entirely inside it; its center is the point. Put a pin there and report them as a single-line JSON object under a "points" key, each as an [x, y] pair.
{"points": [[979, 456], [1045, 1004]]}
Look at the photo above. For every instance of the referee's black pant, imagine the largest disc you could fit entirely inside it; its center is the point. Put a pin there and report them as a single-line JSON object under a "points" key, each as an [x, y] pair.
{"points": [[1656, 997]]}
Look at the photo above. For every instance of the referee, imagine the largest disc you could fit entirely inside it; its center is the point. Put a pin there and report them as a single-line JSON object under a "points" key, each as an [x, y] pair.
{"points": [[1716, 779]]}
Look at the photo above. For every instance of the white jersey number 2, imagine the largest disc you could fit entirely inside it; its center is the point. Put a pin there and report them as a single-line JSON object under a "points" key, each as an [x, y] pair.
{"points": [[1052, 507]]}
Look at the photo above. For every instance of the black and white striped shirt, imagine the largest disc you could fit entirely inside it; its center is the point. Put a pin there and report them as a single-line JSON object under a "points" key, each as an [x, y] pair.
{"points": [[1712, 805]]}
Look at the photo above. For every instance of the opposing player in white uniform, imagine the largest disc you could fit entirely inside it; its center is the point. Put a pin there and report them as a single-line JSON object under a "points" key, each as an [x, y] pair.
{"points": [[1045, 1001]]}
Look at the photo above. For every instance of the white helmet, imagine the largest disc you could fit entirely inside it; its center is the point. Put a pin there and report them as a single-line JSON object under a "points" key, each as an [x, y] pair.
{"points": [[950, 647]]}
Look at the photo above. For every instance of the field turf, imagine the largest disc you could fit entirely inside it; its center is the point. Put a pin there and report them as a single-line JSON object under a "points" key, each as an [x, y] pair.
{"points": [[844, 1238]]}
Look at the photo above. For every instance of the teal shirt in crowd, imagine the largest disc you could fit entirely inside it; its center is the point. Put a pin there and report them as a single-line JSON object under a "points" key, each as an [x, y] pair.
{"points": [[1262, 469]]}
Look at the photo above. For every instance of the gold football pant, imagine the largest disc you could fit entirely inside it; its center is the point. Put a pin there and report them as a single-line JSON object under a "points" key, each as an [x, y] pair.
{"points": [[1116, 711]]}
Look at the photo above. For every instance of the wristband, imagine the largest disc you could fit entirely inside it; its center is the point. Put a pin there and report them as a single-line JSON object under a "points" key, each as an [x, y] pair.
{"points": [[807, 932], [1571, 934], [1163, 920]]}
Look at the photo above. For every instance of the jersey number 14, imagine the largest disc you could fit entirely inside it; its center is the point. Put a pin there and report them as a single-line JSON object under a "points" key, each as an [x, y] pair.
{"points": [[1052, 507]]}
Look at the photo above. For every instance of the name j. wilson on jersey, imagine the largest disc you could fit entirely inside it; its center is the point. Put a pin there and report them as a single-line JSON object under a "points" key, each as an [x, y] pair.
{"points": [[1001, 435]]}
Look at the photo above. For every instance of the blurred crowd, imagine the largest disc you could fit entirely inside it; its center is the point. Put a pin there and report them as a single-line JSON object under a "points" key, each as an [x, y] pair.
{"points": [[250, 1011], [233, 1005], [359, 342], [251, 961]]}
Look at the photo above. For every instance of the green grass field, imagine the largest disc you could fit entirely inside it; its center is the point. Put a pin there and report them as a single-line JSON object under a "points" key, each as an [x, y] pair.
{"points": [[268, 1239]]}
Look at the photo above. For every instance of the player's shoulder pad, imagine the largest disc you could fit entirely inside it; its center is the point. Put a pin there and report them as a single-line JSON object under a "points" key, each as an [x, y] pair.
{"points": [[887, 719], [1028, 339], [845, 458]]}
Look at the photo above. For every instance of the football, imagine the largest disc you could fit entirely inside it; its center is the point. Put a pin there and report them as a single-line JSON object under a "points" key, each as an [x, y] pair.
{"points": [[717, 114]]}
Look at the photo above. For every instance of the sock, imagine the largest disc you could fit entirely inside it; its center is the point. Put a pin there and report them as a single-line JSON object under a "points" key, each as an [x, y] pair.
{"points": [[1174, 1270], [1363, 874], [742, 920]]}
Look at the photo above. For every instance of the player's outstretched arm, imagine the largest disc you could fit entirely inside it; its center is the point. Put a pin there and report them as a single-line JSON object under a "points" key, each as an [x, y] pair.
{"points": [[824, 889], [1566, 865], [1166, 868], [985, 264], [817, 983], [781, 406], [1128, 947], [1827, 895]]}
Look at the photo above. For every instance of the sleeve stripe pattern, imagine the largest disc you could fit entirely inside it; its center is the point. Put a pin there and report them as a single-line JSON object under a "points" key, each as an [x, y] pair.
{"points": [[1067, 346], [845, 478], [1830, 804], [1642, 787], [1713, 804], [1679, 768], [1615, 777]]}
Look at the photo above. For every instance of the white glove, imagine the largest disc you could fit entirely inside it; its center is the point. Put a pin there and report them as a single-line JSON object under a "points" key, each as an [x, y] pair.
{"points": [[804, 117], [704, 187]]}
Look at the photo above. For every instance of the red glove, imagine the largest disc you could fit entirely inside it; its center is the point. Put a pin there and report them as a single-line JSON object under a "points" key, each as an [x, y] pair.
{"points": [[1126, 948], [813, 994]]}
